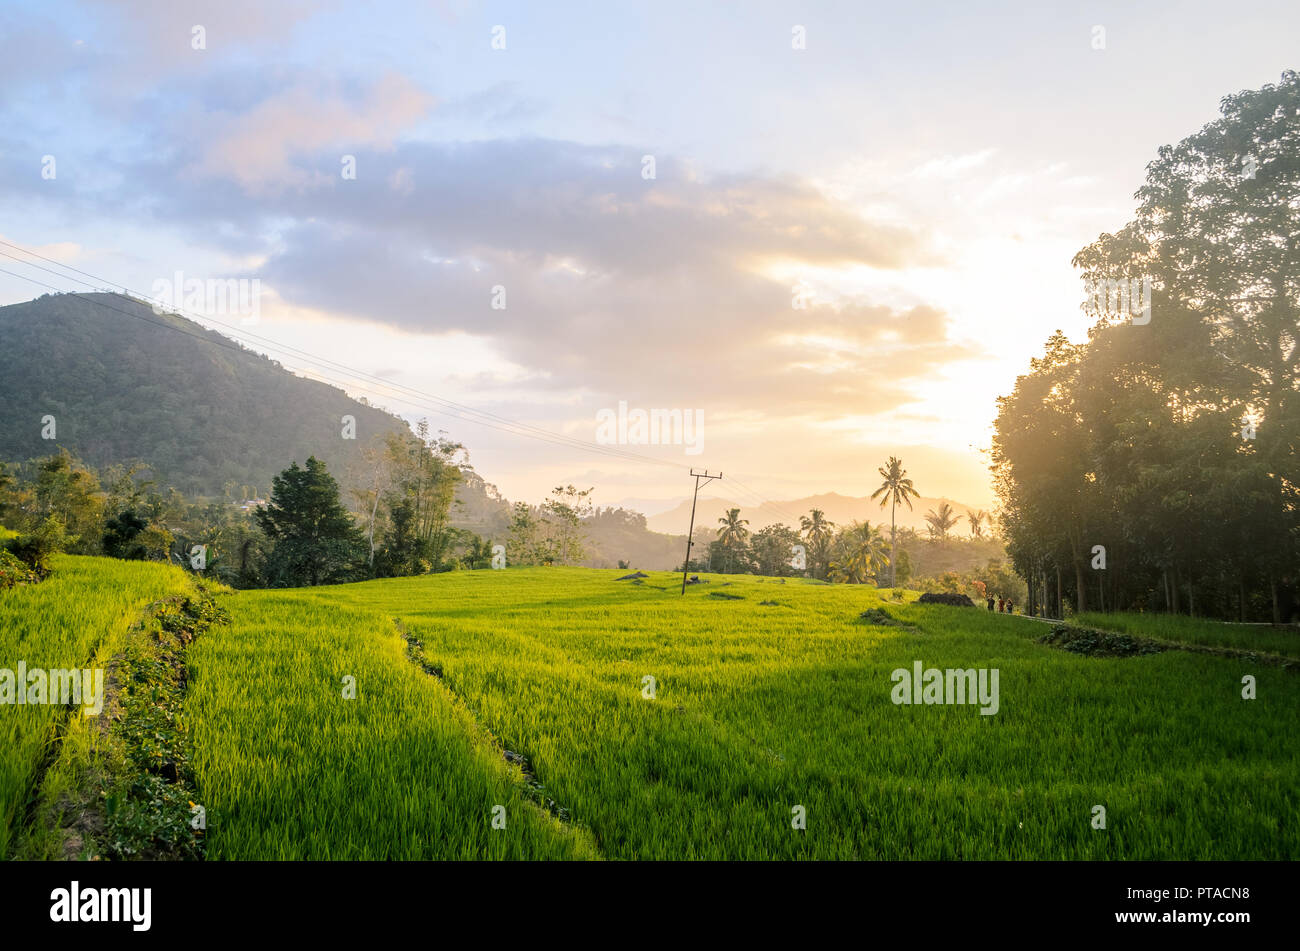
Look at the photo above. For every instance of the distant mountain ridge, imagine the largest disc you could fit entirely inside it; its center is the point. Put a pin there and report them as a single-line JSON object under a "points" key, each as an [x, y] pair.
{"points": [[840, 509], [125, 384]]}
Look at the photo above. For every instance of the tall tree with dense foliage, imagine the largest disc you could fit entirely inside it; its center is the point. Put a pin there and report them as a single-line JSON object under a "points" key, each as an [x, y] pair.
{"points": [[773, 548], [896, 488], [313, 538], [1155, 465]]}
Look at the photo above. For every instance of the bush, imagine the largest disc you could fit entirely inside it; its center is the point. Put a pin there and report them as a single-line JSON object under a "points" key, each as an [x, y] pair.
{"points": [[14, 571], [35, 548], [953, 600]]}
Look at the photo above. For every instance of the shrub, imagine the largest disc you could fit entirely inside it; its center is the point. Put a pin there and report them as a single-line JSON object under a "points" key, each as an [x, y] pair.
{"points": [[14, 571], [35, 548], [954, 600]]}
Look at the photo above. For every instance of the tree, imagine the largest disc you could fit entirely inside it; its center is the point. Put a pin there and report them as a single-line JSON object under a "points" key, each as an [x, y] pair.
{"points": [[403, 552], [478, 551], [976, 520], [564, 513], [523, 546], [941, 522], [314, 539], [901, 568], [896, 488], [819, 532], [68, 491], [35, 547], [1214, 236], [733, 536], [121, 534], [773, 549], [860, 556]]}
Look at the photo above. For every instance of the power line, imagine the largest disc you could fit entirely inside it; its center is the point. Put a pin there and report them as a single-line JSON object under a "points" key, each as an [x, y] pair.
{"points": [[480, 417], [284, 348], [523, 429]]}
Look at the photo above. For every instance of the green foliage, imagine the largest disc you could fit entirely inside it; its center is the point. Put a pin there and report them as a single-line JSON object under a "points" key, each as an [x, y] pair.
{"points": [[1170, 441], [773, 549], [201, 409], [36, 548], [148, 813], [15, 571], [553, 533], [314, 540], [1079, 640], [859, 555]]}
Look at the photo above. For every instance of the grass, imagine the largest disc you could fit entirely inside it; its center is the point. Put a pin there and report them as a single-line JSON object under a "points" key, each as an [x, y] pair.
{"points": [[758, 708], [77, 618], [291, 769], [774, 697], [1272, 640]]}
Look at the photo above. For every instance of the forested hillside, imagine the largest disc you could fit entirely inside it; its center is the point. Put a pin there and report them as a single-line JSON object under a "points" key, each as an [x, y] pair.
{"points": [[125, 384]]}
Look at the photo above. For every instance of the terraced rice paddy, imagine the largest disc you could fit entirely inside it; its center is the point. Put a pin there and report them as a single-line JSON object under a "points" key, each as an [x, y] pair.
{"points": [[758, 708], [75, 619], [561, 713]]}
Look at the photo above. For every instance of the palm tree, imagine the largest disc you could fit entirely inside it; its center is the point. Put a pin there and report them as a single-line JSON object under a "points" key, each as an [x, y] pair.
{"points": [[942, 521], [976, 520], [897, 488], [818, 531], [862, 554], [733, 534]]}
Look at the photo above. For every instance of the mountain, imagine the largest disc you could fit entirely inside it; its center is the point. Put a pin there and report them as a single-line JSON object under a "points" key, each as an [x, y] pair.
{"points": [[840, 509], [126, 384]]}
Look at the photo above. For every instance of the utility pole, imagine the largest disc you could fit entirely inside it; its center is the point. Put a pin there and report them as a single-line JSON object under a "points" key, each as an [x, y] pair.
{"points": [[686, 565]]}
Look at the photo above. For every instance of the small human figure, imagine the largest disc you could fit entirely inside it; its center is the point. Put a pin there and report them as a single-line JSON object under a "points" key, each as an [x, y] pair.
{"points": [[1011, 608], [1002, 603], [990, 602]]}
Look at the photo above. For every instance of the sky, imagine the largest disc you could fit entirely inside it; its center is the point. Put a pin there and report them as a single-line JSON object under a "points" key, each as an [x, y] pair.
{"points": [[835, 231]]}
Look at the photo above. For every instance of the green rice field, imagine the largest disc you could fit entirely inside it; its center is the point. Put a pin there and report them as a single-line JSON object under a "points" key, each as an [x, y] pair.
{"points": [[547, 713]]}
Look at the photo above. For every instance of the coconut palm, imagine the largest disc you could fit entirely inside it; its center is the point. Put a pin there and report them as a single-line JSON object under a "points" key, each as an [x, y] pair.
{"points": [[897, 488], [942, 521], [733, 534], [861, 551], [817, 529], [976, 520]]}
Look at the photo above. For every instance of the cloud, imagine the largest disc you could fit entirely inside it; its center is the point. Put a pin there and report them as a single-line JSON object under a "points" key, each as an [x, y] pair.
{"points": [[157, 34], [602, 268], [952, 166], [257, 148]]}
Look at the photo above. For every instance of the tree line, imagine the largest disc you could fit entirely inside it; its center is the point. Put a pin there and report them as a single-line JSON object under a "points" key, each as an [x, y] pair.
{"points": [[861, 553], [301, 535], [1154, 465]]}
